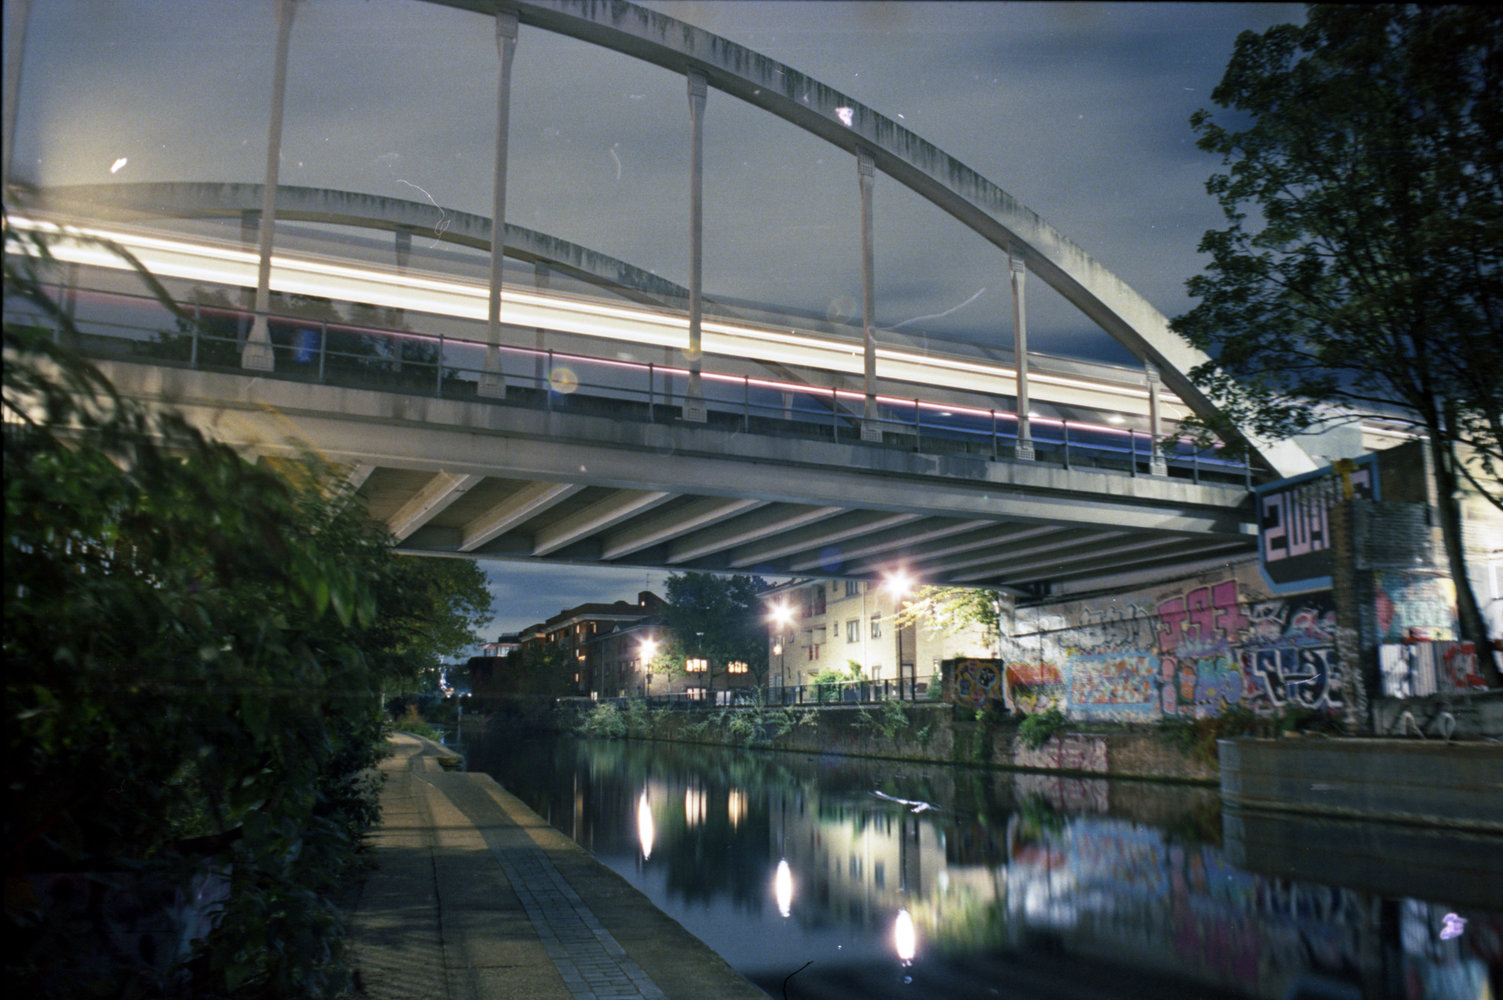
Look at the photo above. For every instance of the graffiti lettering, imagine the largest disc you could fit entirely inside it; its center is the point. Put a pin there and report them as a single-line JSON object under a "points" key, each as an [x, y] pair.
{"points": [[1308, 677]]}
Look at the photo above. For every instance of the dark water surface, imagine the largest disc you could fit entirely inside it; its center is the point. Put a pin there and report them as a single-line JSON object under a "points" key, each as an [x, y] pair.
{"points": [[1014, 885]]}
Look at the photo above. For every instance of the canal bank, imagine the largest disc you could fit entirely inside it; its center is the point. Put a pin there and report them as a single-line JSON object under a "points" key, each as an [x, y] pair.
{"points": [[922, 732], [1457, 784], [803, 865], [471, 895]]}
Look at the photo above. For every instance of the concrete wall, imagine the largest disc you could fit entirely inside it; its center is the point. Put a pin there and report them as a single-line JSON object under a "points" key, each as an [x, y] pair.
{"points": [[1458, 785], [930, 733], [1190, 648]]}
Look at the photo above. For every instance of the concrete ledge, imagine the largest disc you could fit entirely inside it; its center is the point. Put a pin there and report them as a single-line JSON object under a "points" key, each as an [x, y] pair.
{"points": [[1455, 785], [1391, 860]]}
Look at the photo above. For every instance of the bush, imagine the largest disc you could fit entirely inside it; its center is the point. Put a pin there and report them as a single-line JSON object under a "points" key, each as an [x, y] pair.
{"points": [[195, 648], [1035, 730]]}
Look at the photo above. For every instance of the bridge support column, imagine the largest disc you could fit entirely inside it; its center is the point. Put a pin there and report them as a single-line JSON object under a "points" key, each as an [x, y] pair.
{"points": [[258, 353], [15, 44], [866, 175], [694, 400], [542, 276], [492, 384], [1020, 355], [402, 245], [1157, 464]]}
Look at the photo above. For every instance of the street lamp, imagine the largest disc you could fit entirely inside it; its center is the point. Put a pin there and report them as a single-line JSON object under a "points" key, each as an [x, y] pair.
{"points": [[648, 649], [898, 584], [781, 615]]}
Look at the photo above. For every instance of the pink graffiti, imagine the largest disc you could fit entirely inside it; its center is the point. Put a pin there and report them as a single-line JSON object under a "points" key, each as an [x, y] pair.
{"points": [[1201, 618]]}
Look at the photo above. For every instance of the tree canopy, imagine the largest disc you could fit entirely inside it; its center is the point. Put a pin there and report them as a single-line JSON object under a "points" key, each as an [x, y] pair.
{"points": [[1359, 270], [720, 618]]}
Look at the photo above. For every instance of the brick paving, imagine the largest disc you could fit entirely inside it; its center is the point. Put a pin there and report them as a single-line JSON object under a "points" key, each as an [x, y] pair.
{"points": [[473, 897]]}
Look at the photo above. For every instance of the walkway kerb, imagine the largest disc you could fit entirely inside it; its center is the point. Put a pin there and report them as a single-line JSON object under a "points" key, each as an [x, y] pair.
{"points": [[475, 897]]}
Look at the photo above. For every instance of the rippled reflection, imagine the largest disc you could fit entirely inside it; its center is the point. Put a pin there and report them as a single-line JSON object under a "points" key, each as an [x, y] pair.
{"points": [[782, 888], [1011, 875], [645, 829], [904, 939]]}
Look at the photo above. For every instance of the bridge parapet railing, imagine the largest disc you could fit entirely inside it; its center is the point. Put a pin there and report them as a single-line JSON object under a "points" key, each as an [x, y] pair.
{"points": [[322, 349]]}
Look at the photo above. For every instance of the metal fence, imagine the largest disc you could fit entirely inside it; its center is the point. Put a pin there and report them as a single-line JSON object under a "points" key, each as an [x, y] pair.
{"points": [[138, 327], [1424, 669]]}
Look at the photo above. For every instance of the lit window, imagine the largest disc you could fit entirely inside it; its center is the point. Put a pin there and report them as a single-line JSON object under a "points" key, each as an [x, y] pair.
{"points": [[696, 665], [736, 667]]}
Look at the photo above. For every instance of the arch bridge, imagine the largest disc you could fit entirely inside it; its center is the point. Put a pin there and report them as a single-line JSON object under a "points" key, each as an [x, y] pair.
{"points": [[655, 427]]}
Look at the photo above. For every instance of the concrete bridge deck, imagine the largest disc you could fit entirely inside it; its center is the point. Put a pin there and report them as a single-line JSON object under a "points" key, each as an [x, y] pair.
{"points": [[475, 897]]}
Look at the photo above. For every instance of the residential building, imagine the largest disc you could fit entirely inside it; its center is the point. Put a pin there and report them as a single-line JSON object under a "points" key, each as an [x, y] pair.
{"points": [[819, 625]]}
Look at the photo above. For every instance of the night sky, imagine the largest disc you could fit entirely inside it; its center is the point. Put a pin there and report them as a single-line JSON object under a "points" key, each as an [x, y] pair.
{"points": [[1078, 110]]}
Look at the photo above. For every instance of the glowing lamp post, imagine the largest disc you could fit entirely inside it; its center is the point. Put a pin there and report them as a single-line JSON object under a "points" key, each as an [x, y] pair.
{"points": [[648, 649], [898, 584], [781, 617]]}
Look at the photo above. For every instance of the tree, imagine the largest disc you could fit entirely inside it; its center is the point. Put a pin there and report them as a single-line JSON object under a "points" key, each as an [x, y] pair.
{"points": [[719, 618], [194, 648], [1360, 267], [952, 610]]}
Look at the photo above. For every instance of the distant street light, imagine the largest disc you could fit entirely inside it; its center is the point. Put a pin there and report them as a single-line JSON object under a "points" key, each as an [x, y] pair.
{"points": [[781, 615], [648, 648], [898, 583]]}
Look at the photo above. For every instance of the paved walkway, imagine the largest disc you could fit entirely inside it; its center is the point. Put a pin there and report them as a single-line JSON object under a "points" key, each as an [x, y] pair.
{"points": [[474, 897]]}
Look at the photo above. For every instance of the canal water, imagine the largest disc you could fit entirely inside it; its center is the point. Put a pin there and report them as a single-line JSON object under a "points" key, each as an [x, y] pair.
{"points": [[832, 877]]}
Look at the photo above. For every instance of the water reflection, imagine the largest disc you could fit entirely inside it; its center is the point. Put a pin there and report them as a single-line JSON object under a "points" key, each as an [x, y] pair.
{"points": [[1007, 878], [646, 830], [904, 940], [782, 887]]}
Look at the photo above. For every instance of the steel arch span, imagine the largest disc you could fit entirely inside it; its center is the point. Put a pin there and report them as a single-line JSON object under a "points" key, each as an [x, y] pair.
{"points": [[849, 125]]}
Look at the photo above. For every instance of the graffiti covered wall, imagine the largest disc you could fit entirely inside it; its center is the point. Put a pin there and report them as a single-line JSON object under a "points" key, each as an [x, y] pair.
{"points": [[1192, 649]]}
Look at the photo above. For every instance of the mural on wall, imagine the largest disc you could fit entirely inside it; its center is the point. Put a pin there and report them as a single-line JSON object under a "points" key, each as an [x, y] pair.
{"points": [[1034, 687], [978, 683], [1192, 651], [1414, 604]]}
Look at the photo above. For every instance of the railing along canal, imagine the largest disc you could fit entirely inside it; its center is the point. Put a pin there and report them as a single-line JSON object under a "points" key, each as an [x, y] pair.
{"points": [[128, 326]]}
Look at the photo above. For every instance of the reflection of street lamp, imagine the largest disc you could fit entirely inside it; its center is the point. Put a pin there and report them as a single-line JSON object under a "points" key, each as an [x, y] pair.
{"points": [[781, 616], [782, 887], [904, 938], [898, 583]]}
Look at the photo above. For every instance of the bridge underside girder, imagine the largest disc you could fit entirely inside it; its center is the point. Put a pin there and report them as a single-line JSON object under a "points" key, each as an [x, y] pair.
{"points": [[487, 481]]}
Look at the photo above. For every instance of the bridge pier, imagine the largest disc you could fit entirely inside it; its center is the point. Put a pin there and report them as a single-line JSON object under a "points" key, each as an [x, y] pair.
{"points": [[492, 383], [1020, 354], [257, 353], [694, 400], [866, 176], [1158, 465]]}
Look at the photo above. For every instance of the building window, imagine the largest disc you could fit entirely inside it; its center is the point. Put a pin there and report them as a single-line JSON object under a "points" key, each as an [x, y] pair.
{"points": [[736, 667], [853, 588], [696, 666], [876, 627], [814, 651], [853, 630]]}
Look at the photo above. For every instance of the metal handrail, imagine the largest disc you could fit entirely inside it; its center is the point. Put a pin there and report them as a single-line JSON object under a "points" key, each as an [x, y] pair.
{"points": [[810, 405]]}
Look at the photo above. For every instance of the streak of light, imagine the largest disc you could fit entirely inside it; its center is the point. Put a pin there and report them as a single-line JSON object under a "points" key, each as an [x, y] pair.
{"points": [[208, 262], [443, 217], [941, 315]]}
